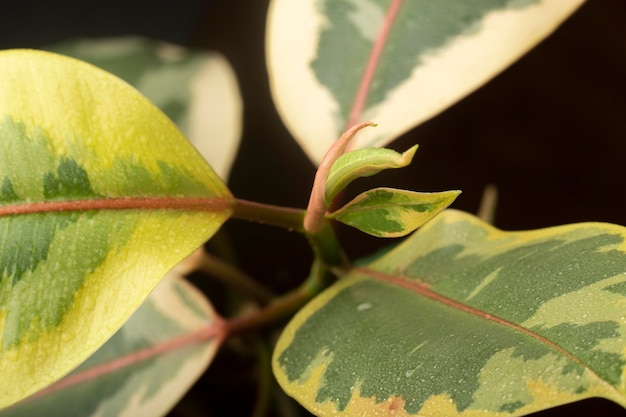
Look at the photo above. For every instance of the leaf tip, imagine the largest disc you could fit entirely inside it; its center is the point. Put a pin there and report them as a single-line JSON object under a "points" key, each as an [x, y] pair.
{"points": [[407, 156]]}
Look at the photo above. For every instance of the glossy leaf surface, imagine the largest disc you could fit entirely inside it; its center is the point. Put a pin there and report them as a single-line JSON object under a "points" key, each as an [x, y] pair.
{"points": [[463, 319], [117, 381], [395, 62], [196, 89], [100, 195], [387, 212], [363, 163]]}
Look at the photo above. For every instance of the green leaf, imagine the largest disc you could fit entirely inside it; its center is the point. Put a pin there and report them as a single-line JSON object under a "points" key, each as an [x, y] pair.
{"points": [[387, 212], [196, 89], [101, 195], [363, 163], [463, 319], [335, 63], [117, 381]]}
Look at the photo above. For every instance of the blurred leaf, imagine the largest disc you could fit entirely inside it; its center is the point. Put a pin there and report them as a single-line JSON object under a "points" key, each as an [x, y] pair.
{"points": [[397, 63], [363, 163], [117, 381], [463, 319], [196, 89], [100, 195], [387, 212]]}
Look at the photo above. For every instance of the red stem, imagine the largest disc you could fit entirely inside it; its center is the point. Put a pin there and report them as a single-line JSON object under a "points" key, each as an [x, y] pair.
{"points": [[147, 203], [372, 63], [213, 331], [314, 217]]}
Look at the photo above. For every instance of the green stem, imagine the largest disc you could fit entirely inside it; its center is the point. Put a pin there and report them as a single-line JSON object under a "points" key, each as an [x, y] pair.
{"points": [[323, 240], [488, 203], [264, 375], [234, 277], [286, 217], [284, 306], [327, 248]]}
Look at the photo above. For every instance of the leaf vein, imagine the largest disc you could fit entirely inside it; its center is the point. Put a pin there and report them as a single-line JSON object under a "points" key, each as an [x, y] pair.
{"points": [[424, 290], [148, 203]]}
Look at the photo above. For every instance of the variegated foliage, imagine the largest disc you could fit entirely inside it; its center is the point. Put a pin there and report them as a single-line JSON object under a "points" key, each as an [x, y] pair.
{"points": [[145, 368], [381, 212], [463, 319], [100, 195], [396, 62], [196, 89]]}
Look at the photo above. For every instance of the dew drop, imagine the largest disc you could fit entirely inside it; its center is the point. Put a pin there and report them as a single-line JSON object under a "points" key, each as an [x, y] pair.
{"points": [[364, 306]]}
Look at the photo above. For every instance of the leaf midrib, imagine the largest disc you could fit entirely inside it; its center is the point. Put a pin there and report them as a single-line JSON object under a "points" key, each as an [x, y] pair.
{"points": [[424, 290], [372, 64], [215, 204], [213, 332], [384, 206]]}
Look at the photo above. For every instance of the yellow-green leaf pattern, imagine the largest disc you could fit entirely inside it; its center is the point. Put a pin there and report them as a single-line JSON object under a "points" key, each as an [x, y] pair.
{"points": [[363, 163], [388, 212], [334, 63], [100, 196], [463, 319], [196, 89], [118, 380]]}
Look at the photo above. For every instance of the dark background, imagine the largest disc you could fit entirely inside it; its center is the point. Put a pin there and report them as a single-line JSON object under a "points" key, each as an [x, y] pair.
{"points": [[549, 132]]}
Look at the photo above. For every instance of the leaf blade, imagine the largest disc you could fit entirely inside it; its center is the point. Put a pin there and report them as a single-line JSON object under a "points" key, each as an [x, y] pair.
{"points": [[71, 133], [363, 163], [434, 55], [463, 318], [149, 386], [198, 90], [388, 212]]}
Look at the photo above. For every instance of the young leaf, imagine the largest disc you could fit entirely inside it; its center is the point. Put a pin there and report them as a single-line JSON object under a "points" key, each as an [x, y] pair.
{"points": [[387, 212], [196, 89], [145, 368], [463, 319], [363, 163], [334, 63], [100, 195]]}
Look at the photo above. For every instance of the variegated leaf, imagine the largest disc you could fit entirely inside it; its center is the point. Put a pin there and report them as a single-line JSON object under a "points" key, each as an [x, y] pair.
{"points": [[145, 368], [463, 319], [335, 63], [363, 163], [196, 89], [100, 195], [387, 212]]}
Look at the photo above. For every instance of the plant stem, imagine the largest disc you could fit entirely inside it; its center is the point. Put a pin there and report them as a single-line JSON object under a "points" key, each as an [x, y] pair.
{"points": [[286, 217], [264, 375], [218, 331], [327, 248], [214, 331], [323, 240], [281, 308], [234, 277], [284, 306], [488, 203], [314, 220]]}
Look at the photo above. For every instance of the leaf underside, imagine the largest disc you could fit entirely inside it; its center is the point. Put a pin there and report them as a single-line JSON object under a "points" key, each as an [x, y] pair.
{"points": [[73, 134], [463, 319]]}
